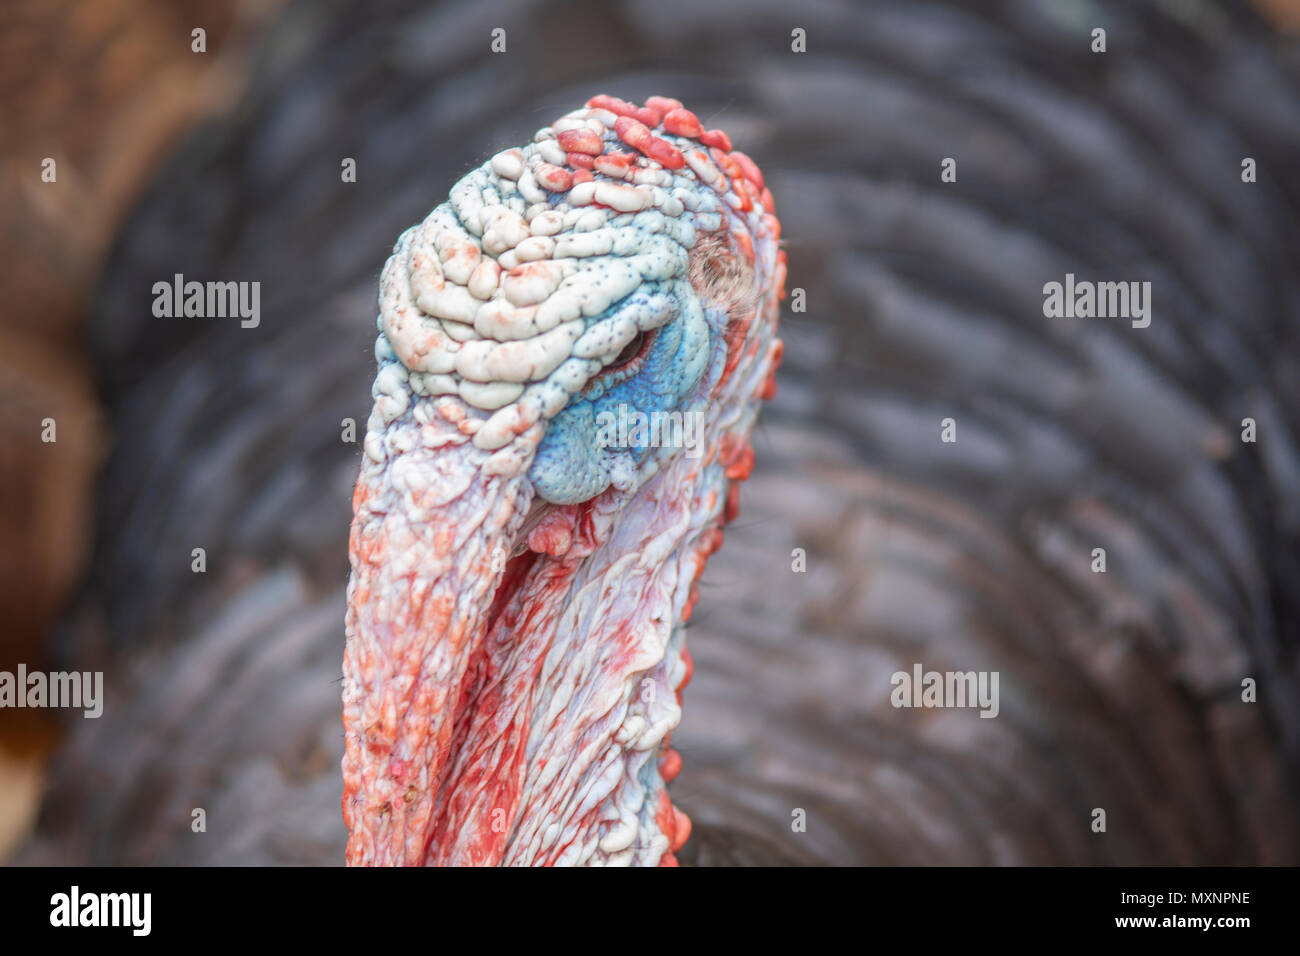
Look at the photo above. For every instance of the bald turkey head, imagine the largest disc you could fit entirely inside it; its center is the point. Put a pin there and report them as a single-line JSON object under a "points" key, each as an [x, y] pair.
{"points": [[571, 354]]}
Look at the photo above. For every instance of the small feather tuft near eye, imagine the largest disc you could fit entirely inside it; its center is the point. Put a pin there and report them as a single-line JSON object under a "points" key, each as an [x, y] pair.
{"points": [[721, 277]]}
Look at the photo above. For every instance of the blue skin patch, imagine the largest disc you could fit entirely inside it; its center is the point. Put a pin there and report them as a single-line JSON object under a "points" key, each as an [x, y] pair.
{"points": [[570, 466]]}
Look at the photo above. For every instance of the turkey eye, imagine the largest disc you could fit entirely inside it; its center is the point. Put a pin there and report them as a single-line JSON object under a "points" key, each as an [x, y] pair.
{"points": [[627, 363], [630, 351]]}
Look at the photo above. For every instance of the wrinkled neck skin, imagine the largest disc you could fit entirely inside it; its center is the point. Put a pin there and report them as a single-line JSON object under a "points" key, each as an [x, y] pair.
{"points": [[552, 681], [514, 666]]}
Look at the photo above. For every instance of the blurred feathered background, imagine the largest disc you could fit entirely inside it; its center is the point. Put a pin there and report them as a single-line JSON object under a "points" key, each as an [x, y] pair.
{"points": [[1119, 690]]}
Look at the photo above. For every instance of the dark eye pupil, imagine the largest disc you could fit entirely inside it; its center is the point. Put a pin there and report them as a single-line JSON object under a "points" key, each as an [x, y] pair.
{"points": [[630, 351]]}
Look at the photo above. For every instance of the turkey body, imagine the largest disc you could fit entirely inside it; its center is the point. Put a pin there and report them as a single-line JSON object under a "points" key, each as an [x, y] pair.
{"points": [[866, 544]]}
